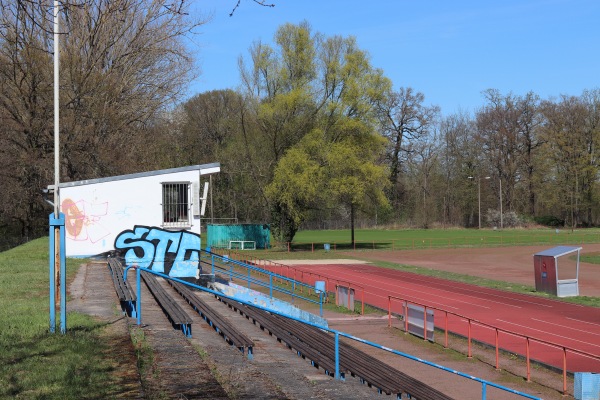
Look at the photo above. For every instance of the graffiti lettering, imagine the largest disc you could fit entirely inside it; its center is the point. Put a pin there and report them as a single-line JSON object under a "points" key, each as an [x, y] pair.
{"points": [[83, 220], [173, 253]]}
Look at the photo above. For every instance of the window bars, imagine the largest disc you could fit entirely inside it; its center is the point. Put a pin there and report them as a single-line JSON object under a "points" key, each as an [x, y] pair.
{"points": [[176, 204]]}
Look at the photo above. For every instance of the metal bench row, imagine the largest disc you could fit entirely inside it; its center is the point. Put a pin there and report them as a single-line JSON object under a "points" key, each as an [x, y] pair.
{"points": [[318, 346], [176, 314], [125, 293], [224, 327], [309, 342]]}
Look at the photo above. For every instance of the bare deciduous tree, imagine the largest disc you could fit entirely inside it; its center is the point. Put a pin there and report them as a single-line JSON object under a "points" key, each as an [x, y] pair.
{"points": [[404, 120], [122, 62], [506, 127]]}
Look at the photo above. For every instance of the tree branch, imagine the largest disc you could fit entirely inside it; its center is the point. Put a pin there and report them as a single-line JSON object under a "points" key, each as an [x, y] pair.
{"points": [[259, 2]]}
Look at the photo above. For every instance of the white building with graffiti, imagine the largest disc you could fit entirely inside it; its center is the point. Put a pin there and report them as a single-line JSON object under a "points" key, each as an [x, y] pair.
{"points": [[147, 214]]}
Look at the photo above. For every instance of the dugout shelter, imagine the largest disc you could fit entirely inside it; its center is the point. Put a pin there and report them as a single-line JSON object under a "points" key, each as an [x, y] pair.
{"points": [[546, 269]]}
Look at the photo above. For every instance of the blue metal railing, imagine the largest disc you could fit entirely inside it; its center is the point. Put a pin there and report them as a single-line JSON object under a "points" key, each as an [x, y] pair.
{"points": [[337, 334], [258, 282]]}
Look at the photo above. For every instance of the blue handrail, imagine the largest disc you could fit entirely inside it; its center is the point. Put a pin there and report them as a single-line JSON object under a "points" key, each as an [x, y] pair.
{"points": [[336, 333], [258, 282]]}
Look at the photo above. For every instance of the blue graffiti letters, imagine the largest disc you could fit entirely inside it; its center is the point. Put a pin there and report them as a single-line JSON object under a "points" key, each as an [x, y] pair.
{"points": [[162, 240], [174, 253], [141, 252]]}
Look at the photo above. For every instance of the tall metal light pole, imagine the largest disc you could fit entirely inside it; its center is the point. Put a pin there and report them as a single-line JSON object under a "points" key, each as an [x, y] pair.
{"points": [[56, 109], [479, 195], [58, 292], [501, 218]]}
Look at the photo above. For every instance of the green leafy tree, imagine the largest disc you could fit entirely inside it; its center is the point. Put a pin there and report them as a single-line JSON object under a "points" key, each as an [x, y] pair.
{"points": [[306, 83], [295, 188], [320, 174], [354, 179]]}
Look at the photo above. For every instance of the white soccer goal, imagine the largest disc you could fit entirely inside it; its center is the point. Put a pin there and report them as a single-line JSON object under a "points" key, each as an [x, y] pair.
{"points": [[242, 245]]}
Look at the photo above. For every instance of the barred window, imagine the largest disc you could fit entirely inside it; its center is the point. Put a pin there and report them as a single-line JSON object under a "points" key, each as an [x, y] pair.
{"points": [[176, 205]]}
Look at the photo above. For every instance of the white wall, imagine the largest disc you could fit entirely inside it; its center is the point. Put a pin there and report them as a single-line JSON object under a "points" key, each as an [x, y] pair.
{"points": [[103, 210]]}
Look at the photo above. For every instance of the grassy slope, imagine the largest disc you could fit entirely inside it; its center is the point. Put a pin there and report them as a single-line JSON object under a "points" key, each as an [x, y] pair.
{"points": [[35, 364]]}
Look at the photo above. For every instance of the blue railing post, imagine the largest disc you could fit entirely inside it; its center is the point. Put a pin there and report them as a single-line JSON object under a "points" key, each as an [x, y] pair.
{"points": [[212, 257], [271, 286], [63, 277], [248, 278], [60, 224], [337, 355], [52, 253], [483, 390], [320, 303], [138, 303]]}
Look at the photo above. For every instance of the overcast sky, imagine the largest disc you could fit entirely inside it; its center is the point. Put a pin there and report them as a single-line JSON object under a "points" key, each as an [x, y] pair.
{"points": [[449, 50]]}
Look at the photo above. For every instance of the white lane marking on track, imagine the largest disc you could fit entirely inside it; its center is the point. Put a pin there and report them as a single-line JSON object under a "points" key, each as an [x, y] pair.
{"points": [[548, 333], [404, 288], [568, 327], [431, 302], [414, 298], [446, 298], [585, 322], [376, 294], [510, 298], [361, 269], [421, 299]]}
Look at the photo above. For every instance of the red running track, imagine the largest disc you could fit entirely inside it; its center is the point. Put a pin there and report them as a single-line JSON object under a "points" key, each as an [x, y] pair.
{"points": [[573, 326]]}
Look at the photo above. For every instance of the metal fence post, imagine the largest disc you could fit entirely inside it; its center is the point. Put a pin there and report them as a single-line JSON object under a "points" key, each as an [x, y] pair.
{"points": [[337, 355], [138, 303], [320, 303]]}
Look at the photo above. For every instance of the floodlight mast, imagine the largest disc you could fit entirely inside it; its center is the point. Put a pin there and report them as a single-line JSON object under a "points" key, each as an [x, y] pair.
{"points": [[58, 295], [479, 195], [501, 217], [56, 111]]}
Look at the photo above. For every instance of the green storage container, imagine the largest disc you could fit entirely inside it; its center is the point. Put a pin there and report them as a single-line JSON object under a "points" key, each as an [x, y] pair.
{"points": [[239, 236]]}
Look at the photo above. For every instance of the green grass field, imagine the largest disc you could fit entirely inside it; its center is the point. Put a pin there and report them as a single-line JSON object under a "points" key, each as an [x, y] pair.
{"points": [[438, 238], [35, 364]]}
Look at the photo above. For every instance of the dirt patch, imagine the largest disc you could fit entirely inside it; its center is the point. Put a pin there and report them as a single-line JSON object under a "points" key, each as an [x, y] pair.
{"points": [[91, 294]]}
